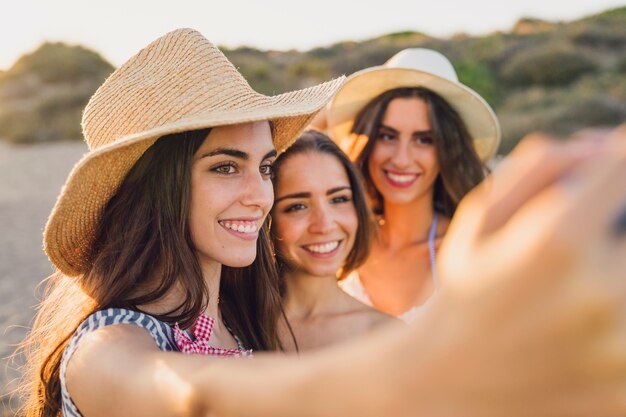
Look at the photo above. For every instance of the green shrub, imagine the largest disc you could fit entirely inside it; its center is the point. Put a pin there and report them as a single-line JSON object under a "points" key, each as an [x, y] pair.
{"points": [[57, 62], [43, 94], [479, 77], [596, 36], [551, 65]]}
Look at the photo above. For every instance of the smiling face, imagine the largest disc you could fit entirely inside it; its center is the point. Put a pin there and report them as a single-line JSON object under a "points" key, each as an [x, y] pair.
{"points": [[403, 164], [314, 218], [231, 192]]}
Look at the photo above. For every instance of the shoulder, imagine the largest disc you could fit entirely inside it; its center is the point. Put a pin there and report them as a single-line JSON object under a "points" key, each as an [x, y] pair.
{"points": [[368, 317], [161, 333], [103, 361]]}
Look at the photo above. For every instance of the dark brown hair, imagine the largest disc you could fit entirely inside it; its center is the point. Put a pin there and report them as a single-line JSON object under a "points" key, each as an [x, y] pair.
{"points": [[143, 233], [460, 167], [313, 141]]}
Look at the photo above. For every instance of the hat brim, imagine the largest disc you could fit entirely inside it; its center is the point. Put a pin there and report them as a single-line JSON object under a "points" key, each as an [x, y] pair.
{"points": [[363, 86], [71, 227]]}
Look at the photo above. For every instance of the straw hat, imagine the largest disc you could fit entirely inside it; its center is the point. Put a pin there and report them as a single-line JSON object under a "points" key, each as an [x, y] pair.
{"points": [[179, 82], [417, 67]]}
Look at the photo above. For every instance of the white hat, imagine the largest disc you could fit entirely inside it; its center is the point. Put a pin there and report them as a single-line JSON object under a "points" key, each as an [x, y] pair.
{"points": [[415, 67]]}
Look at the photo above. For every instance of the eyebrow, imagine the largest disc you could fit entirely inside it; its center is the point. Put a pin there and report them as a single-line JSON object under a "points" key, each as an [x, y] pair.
{"points": [[306, 194], [236, 153], [417, 132]]}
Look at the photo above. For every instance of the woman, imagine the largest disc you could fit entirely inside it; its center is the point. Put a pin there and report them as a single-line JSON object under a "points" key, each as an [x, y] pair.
{"points": [[162, 223], [321, 231], [420, 140], [154, 229]]}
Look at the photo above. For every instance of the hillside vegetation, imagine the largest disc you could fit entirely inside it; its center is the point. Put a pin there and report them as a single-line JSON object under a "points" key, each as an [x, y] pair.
{"points": [[42, 96], [552, 76]]}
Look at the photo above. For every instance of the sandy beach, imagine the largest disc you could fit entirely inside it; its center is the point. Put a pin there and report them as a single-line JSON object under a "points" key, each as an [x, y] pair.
{"points": [[30, 179]]}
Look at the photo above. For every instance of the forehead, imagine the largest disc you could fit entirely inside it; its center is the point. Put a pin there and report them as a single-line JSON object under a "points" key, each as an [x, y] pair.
{"points": [[310, 172], [407, 113], [250, 137]]}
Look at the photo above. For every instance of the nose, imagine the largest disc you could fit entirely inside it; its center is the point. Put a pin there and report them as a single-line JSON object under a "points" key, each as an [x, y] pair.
{"points": [[322, 220], [257, 192], [400, 157]]}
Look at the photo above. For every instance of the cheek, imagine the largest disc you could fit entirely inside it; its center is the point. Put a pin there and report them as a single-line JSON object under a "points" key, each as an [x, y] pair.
{"points": [[350, 221], [434, 162], [286, 232]]}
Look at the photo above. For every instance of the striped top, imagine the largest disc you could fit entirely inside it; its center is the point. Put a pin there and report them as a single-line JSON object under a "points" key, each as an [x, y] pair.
{"points": [[161, 332]]}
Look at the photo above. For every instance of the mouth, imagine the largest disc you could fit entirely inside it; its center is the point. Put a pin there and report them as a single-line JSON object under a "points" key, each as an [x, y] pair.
{"points": [[400, 179], [323, 249], [246, 229]]}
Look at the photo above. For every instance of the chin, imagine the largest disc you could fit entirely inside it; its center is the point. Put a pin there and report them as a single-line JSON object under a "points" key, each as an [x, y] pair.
{"points": [[239, 260], [323, 272]]}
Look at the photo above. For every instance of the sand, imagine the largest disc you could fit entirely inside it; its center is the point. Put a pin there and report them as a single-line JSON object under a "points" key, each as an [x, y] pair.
{"points": [[30, 179]]}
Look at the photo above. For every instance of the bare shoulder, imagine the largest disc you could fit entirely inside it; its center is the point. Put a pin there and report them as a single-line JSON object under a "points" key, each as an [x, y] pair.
{"points": [[378, 318], [109, 363], [372, 318], [105, 352]]}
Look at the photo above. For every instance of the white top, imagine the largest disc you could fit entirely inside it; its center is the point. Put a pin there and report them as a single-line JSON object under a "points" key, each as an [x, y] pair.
{"points": [[352, 286]]}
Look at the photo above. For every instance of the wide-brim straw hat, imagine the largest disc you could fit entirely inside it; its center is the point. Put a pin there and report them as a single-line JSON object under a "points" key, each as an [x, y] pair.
{"points": [[179, 82], [415, 67]]}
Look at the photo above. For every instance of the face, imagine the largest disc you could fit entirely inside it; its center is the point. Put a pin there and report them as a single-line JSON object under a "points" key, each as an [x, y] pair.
{"points": [[314, 216], [231, 192], [403, 163]]}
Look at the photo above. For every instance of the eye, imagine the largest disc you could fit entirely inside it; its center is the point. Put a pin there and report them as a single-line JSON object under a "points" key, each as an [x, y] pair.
{"points": [[267, 170], [227, 168], [424, 140], [294, 207], [341, 199], [385, 136]]}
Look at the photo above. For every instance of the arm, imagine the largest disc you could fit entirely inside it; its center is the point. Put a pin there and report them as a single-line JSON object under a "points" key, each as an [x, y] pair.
{"points": [[529, 321]]}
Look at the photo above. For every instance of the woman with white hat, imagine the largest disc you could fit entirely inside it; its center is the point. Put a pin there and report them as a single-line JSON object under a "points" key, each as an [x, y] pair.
{"points": [[420, 139], [162, 225]]}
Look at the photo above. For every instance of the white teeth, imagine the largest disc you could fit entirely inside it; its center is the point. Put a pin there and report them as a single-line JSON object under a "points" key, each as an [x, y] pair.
{"points": [[241, 227], [325, 248], [401, 178]]}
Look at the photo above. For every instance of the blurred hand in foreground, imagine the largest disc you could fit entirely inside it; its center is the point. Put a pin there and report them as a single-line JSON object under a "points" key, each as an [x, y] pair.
{"points": [[534, 271]]}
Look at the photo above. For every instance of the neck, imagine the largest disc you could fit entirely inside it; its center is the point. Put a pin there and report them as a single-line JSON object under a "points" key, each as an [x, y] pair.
{"points": [[406, 224], [211, 272], [309, 296]]}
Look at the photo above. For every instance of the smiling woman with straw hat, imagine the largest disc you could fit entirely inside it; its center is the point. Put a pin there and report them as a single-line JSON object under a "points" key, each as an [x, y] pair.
{"points": [[162, 223], [420, 139], [160, 239]]}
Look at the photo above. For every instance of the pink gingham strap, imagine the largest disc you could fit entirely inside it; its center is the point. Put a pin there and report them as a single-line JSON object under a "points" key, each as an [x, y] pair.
{"points": [[202, 333]]}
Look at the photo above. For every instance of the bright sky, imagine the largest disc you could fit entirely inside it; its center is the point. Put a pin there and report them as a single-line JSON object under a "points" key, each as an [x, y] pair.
{"points": [[119, 28]]}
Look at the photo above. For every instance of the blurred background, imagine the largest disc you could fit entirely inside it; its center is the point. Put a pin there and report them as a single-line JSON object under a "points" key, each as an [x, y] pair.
{"points": [[554, 67]]}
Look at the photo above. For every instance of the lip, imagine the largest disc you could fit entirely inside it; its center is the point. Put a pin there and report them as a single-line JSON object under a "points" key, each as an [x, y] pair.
{"points": [[247, 223], [398, 184], [324, 255]]}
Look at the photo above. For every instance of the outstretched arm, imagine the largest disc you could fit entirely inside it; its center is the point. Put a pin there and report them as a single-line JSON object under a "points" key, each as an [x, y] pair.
{"points": [[530, 320]]}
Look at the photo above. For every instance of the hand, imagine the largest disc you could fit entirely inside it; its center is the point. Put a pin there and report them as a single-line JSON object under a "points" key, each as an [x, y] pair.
{"points": [[534, 282]]}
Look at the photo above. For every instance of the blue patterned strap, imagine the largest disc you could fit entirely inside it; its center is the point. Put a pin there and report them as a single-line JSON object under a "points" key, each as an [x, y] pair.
{"points": [[162, 334]]}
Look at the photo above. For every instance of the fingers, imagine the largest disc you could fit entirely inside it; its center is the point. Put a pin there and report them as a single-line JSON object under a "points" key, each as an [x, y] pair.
{"points": [[535, 164]]}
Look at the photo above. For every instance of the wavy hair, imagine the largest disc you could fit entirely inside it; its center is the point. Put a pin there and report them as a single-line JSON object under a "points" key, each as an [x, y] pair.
{"points": [[460, 167], [144, 232]]}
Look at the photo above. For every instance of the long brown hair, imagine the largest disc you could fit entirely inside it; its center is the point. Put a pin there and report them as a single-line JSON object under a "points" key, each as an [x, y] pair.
{"points": [[460, 167], [143, 232], [313, 141]]}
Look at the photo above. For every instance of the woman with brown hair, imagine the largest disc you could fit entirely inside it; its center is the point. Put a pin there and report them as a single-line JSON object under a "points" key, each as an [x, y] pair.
{"points": [[162, 225], [420, 140], [321, 229]]}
